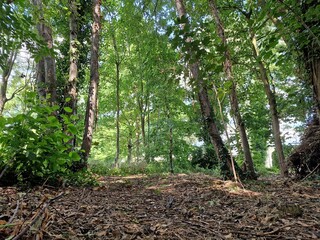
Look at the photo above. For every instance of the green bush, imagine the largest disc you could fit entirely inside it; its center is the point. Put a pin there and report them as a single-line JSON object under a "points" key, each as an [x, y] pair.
{"points": [[204, 157], [34, 145]]}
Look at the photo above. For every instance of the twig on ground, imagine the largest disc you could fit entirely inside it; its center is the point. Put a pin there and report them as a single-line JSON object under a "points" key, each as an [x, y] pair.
{"points": [[63, 218], [312, 172], [15, 212], [275, 230], [36, 218]]}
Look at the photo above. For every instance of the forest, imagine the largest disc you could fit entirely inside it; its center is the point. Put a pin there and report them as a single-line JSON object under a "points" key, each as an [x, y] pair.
{"points": [[152, 119]]}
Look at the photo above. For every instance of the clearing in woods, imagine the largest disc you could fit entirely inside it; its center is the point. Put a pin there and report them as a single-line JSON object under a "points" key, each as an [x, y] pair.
{"points": [[164, 207]]}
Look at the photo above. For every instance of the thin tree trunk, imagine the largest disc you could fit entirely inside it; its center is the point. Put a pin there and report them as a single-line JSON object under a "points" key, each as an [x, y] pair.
{"points": [[118, 114], [170, 153], [148, 132], [129, 158], [171, 149], [207, 112], [117, 63], [5, 77], [233, 95], [137, 140], [170, 140], [94, 84], [273, 107], [142, 113]]}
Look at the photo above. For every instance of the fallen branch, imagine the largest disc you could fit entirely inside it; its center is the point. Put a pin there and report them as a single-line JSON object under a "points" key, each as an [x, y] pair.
{"points": [[275, 230], [15, 212], [312, 172], [37, 217]]}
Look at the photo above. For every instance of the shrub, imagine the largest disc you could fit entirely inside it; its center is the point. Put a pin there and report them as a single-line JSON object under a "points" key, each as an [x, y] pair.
{"points": [[34, 145]]}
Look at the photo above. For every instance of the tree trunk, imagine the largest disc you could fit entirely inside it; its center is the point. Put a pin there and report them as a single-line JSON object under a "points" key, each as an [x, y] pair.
{"points": [[137, 140], [41, 79], [148, 133], [118, 114], [142, 113], [171, 149], [311, 51], [74, 56], [129, 158], [170, 153], [314, 66], [6, 72], [46, 69], [93, 87], [273, 107], [117, 63], [233, 95], [228, 168]]}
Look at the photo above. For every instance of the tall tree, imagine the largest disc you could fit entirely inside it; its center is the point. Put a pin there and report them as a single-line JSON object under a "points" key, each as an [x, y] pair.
{"points": [[46, 68], [271, 96], [117, 64], [233, 94], [206, 108], [311, 49], [91, 109], [74, 55]]}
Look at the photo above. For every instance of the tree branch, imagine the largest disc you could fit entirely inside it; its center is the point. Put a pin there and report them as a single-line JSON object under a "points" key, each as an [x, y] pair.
{"points": [[36, 218]]}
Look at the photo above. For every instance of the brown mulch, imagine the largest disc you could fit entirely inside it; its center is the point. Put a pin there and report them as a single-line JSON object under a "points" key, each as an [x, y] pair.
{"points": [[164, 207]]}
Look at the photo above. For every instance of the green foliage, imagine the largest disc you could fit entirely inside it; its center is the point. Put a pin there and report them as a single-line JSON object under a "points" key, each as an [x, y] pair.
{"points": [[82, 178], [204, 157], [153, 93], [152, 168], [34, 144]]}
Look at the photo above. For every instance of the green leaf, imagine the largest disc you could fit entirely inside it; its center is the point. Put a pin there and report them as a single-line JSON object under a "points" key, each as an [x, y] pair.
{"points": [[67, 109], [2, 122], [72, 129], [74, 156]]}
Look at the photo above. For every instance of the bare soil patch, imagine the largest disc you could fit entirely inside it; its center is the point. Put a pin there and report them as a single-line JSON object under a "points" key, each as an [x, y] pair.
{"points": [[164, 207]]}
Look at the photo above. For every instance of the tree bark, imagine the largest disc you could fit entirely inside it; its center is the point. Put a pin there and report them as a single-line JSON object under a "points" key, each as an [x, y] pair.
{"points": [[233, 94], [46, 67], [94, 84], [117, 63], [74, 56], [137, 140], [171, 149], [311, 51], [170, 153], [228, 168], [6, 72], [273, 107], [142, 109], [73, 70], [41, 79], [118, 115], [129, 158]]}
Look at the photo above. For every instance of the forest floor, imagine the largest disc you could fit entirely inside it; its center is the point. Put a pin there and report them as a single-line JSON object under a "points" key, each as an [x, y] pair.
{"points": [[164, 207]]}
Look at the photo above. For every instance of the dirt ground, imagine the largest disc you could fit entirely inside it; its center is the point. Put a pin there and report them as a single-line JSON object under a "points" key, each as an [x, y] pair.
{"points": [[164, 207]]}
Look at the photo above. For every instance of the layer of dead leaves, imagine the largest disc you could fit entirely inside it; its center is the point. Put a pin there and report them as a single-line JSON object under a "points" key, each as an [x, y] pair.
{"points": [[164, 207]]}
